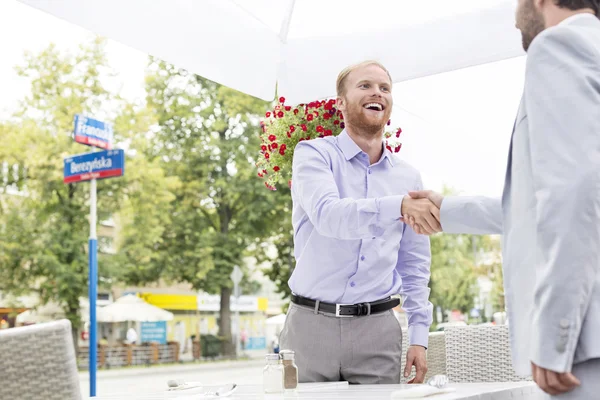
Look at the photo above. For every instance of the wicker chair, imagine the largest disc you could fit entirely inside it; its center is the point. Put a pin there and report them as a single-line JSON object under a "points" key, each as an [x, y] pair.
{"points": [[38, 362], [436, 355], [478, 353]]}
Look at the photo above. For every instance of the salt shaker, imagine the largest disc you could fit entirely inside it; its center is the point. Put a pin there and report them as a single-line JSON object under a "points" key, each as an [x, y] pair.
{"points": [[273, 374], [290, 371]]}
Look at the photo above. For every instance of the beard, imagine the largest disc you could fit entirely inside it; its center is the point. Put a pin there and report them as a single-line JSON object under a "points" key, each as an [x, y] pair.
{"points": [[356, 117], [531, 22]]}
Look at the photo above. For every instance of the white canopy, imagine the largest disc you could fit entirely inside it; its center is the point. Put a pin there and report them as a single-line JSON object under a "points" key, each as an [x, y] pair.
{"points": [[132, 308], [252, 45]]}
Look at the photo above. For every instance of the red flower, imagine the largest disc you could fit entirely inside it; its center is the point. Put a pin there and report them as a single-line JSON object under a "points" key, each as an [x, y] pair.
{"points": [[276, 168], [264, 171], [295, 111], [289, 135], [397, 149], [292, 128], [288, 108], [309, 117], [268, 114], [263, 147], [272, 138], [267, 156], [336, 122], [280, 114], [328, 132], [274, 145], [327, 116], [388, 147], [342, 125], [341, 116], [320, 129], [316, 113], [303, 127], [282, 99], [398, 132], [282, 150], [260, 175]]}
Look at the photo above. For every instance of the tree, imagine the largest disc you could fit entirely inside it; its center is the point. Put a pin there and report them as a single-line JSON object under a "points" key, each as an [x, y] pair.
{"points": [[452, 272], [45, 227], [208, 137], [278, 251]]}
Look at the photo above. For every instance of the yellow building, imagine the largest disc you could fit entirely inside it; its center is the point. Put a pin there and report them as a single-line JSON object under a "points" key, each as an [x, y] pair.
{"points": [[198, 314]]}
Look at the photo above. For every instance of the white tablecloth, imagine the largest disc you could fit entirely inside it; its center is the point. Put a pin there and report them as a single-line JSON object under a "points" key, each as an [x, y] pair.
{"points": [[334, 390]]}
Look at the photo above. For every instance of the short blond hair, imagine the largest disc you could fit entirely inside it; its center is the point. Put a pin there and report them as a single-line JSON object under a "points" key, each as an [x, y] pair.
{"points": [[341, 79]]}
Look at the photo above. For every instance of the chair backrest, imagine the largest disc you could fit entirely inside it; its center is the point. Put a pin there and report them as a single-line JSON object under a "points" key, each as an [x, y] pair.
{"points": [[436, 355], [479, 353], [38, 362]]}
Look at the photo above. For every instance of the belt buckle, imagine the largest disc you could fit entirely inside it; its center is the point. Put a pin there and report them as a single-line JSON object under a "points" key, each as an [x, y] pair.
{"points": [[338, 308]]}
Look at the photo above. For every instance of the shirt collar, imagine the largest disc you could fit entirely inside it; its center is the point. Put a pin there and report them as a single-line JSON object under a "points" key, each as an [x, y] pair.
{"points": [[576, 17], [351, 149]]}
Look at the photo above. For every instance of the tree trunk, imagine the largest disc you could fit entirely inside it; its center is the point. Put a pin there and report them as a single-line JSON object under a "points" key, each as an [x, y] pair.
{"points": [[227, 346], [75, 322], [75, 335]]}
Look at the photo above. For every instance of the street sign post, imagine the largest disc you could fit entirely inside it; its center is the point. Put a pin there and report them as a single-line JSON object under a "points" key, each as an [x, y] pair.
{"points": [[90, 167], [236, 276], [92, 132]]}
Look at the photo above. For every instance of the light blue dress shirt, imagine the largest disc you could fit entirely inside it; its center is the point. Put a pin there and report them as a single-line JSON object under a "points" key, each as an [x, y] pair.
{"points": [[349, 244]]}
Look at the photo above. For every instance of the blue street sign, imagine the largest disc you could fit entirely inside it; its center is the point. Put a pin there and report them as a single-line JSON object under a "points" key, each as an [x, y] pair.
{"points": [[93, 132], [95, 165]]}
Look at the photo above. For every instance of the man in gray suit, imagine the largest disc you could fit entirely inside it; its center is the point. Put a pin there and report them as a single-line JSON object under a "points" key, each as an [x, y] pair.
{"points": [[549, 212]]}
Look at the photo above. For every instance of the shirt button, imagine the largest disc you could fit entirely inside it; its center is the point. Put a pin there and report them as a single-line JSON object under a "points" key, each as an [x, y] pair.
{"points": [[374, 238], [362, 258], [369, 170], [352, 284]]}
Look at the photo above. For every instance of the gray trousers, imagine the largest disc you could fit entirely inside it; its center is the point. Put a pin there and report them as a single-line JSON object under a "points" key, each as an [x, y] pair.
{"points": [[588, 373], [363, 350]]}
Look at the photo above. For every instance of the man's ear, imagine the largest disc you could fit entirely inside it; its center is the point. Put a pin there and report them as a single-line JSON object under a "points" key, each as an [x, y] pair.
{"points": [[341, 103]]}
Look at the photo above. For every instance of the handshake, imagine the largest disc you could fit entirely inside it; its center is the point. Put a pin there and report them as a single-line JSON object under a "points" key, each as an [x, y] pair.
{"points": [[421, 210]]}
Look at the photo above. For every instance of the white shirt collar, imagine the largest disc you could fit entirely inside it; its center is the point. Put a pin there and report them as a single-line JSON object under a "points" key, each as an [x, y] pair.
{"points": [[576, 17]]}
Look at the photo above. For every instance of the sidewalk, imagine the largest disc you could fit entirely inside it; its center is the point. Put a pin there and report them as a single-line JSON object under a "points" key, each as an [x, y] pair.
{"points": [[253, 361]]}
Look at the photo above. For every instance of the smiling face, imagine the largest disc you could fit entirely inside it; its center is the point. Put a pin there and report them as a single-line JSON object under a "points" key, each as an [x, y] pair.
{"points": [[366, 101]]}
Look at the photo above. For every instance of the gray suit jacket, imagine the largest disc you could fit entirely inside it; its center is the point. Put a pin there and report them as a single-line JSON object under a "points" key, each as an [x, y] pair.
{"points": [[550, 209]]}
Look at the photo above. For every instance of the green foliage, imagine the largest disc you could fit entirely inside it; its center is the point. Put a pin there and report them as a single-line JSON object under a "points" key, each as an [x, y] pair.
{"points": [[207, 136], [44, 224]]}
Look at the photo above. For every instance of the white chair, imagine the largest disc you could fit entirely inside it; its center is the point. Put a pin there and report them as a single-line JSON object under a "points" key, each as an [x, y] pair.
{"points": [[477, 353], [38, 362]]}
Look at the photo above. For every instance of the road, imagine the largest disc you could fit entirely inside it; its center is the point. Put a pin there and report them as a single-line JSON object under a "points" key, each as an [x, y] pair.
{"points": [[154, 379]]}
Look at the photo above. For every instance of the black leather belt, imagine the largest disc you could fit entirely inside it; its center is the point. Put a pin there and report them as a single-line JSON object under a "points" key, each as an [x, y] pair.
{"points": [[348, 310]]}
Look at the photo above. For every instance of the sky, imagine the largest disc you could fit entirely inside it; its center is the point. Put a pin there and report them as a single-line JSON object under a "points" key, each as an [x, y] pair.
{"points": [[456, 125]]}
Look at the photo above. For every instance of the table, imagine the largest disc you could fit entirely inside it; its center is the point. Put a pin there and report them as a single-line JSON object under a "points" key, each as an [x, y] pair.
{"points": [[340, 390]]}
